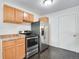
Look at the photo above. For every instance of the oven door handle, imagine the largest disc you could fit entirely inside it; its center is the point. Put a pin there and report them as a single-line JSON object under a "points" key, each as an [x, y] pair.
{"points": [[32, 38]]}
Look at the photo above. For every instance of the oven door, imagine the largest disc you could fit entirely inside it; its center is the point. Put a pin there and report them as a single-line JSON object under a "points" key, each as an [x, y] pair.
{"points": [[32, 41], [32, 46]]}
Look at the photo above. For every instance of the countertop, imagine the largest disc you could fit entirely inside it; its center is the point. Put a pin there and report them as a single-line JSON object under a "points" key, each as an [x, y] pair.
{"points": [[11, 37]]}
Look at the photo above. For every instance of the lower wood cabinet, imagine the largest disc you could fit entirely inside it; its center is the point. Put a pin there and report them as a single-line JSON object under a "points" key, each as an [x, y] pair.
{"points": [[9, 53], [14, 49], [20, 51]]}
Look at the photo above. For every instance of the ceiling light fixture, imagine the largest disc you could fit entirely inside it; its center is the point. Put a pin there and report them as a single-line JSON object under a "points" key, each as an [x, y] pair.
{"points": [[47, 2]]}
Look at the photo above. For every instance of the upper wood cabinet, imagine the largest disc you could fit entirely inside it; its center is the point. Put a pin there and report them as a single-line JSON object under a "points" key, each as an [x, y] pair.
{"points": [[28, 17], [31, 18], [43, 19], [13, 15], [8, 14], [19, 15]]}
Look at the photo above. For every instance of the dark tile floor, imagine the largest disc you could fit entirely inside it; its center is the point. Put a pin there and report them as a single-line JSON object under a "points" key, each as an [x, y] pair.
{"points": [[56, 53]]}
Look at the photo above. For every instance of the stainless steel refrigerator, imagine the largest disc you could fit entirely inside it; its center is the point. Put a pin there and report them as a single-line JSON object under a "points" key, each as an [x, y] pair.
{"points": [[42, 29]]}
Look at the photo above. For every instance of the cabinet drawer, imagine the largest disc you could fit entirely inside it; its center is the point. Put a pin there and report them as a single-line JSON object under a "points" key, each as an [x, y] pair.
{"points": [[8, 43], [20, 41]]}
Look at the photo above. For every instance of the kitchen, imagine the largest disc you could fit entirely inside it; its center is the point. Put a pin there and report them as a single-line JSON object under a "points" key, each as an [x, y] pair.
{"points": [[19, 23]]}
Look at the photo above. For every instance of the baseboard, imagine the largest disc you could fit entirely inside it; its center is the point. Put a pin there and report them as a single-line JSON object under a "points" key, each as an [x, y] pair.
{"points": [[64, 48]]}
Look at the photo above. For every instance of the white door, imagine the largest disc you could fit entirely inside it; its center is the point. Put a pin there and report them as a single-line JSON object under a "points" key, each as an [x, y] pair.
{"points": [[77, 32], [67, 31]]}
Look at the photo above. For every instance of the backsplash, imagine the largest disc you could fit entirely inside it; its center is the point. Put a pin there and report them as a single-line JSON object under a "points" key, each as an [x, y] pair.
{"points": [[8, 28]]}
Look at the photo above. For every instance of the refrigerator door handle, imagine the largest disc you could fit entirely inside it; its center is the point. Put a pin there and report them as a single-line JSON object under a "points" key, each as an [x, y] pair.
{"points": [[44, 37]]}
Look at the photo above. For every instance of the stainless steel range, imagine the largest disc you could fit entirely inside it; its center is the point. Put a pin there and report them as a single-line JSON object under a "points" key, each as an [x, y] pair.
{"points": [[31, 40], [32, 45]]}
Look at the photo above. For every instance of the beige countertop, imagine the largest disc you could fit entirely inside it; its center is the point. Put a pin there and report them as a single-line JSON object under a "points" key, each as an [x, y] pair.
{"points": [[11, 37]]}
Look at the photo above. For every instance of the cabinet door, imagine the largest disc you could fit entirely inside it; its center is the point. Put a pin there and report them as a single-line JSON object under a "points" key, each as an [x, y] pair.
{"points": [[20, 51], [8, 14], [31, 18], [28, 17], [19, 16], [9, 53], [44, 19], [8, 49]]}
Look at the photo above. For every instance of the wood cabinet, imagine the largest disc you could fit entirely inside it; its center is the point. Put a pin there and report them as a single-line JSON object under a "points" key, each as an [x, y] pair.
{"points": [[9, 49], [20, 51], [8, 14], [20, 48], [9, 52], [28, 17], [43, 19], [8, 43], [14, 49], [18, 16], [31, 17], [13, 15]]}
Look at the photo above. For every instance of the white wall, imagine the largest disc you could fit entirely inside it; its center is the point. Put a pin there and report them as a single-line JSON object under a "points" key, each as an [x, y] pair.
{"points": [[63, 26], [8, 28]]}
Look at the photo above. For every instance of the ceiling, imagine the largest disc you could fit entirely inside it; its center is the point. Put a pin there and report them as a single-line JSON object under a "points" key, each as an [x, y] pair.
{"points": [[36, 6]]}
